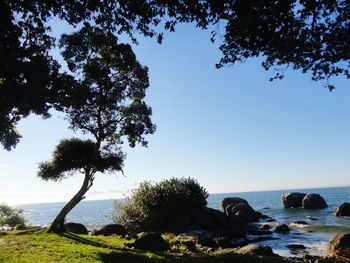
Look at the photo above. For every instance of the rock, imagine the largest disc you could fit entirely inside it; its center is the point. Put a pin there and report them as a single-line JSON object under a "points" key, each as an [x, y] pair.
{"points": [[339, 246], [311, 218], [282, 228], [271, 220], [296, 246], [292, 200], [314, 201], [245, 209], [223, 242], [151, 242], [189, 242], [254, 249], [76, 228], [266, 227], [343, 210], [300, 222], [232, 200], [213, 220], [112, 229]]}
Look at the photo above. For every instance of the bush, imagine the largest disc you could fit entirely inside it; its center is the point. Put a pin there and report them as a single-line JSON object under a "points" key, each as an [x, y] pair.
{"points": [[10, 216], [168, 205]]}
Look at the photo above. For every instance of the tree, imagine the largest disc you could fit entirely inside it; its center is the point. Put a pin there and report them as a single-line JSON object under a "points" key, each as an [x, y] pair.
{"points": [[106, 103], [311, 36], [11, 216]]}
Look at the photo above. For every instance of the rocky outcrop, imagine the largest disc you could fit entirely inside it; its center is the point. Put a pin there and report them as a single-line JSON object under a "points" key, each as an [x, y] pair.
{"points": [[76, 228], [257, 250], [343, 210], [112, 229], [214, 220], [292, 200], [232, 201], [339, 246], [314, 201], [242, 210], [151, 242]]}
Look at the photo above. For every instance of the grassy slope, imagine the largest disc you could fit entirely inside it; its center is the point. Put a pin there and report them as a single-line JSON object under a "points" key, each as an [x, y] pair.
{"points": [[38, 246]]}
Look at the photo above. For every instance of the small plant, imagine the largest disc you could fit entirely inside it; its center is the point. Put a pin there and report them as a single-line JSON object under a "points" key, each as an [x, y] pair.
{"points": [[10, 216], [168, 205]]}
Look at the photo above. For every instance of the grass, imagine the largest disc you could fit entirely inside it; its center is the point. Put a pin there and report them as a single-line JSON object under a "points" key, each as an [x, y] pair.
{"points": [[39, 246]]}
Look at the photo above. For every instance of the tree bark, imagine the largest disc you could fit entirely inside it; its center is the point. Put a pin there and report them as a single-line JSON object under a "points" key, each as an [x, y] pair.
{"points": [[58, 223]]}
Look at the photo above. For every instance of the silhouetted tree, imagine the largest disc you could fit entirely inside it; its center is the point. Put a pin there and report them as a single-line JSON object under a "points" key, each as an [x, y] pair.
{"points": [[106, 102], [311, 36]]}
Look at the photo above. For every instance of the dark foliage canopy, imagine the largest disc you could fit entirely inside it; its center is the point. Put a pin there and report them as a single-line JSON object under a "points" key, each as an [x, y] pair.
{"points": [[311, 36], [75, 154], [168, 205]]}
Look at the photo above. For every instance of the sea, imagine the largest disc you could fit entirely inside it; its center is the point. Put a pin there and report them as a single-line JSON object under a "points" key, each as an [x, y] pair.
{"points": [[322, 224]]}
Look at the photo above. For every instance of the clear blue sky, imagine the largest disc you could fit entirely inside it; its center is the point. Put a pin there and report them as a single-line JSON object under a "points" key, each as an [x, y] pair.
{"points": [[231, 129]]}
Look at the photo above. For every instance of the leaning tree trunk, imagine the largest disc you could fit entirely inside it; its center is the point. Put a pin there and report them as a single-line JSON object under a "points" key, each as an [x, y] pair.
{"points": [[58, 224]]}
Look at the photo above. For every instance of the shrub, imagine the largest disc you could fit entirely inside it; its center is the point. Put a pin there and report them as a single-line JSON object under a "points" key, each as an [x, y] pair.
{"points": [[168, 205], [10, 216]]}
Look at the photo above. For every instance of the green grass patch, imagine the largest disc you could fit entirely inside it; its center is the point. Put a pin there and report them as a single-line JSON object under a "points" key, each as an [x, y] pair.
{"points": [[39, 246]]}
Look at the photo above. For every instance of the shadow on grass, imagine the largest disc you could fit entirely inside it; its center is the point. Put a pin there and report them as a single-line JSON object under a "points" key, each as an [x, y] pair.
{"points": [[3, 233], [30, 231], [86, 241]]}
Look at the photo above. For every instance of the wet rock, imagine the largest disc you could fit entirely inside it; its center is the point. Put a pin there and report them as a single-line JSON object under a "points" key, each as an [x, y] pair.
{"points": [[271, 220], [266, 227], [339, 246], [300, 222], [232, 201], [343, 210], [282, 228], [292, 200], [296, 247], [311, 218], [151, 242], [254, 249], [76, 228], [314, 201], [112, 229]]}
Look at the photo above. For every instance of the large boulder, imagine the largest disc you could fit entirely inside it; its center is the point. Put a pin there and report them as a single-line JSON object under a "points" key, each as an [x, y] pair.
{"points": [[343, 210], [214, 220], [151, 242], [254, 249], [339, 246], [232, 201], [76, 228], [241, 210], [314, 201], [112, 229], [292, 200], [282, 228]]}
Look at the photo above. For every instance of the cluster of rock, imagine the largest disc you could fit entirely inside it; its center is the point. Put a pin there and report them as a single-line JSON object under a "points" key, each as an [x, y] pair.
{"points": [[302, 200], [226, 231], [311, 201]]}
